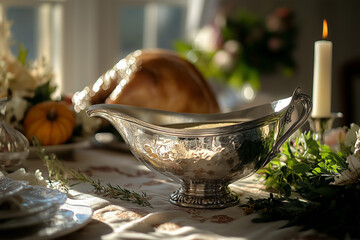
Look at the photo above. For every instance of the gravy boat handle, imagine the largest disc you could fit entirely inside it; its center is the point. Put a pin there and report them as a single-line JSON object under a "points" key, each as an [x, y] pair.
{"points": [[306, 103]]}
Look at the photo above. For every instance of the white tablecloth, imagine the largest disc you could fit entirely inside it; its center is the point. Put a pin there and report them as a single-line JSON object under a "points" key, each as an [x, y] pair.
{"points": [[118, 219]]}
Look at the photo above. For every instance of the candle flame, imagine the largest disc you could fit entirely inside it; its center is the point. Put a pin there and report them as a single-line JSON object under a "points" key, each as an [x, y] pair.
{"points": [[325, 29]]}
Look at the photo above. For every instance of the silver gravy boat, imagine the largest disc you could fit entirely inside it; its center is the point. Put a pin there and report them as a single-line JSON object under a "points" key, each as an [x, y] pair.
{"points": [[207, 152]]}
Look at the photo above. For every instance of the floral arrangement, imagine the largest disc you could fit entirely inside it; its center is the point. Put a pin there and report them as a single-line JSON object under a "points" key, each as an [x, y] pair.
{"points": [[238, 47], [317, 185], [27, 84], [24, 87], [21, 80]]}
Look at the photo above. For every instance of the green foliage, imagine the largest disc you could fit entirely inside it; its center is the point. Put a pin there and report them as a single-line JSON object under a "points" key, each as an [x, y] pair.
{"points": [[22, 54], [202, 60], [262, 47], [333, 210], [303, 162], [308, 168], [42, 93]]}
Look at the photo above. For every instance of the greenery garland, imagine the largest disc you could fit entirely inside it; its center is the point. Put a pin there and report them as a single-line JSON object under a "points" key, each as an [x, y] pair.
{"points": [[326, 182]]}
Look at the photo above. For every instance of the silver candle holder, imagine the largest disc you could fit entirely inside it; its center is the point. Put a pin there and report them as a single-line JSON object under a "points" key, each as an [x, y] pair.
{"points": [[323, 124]]}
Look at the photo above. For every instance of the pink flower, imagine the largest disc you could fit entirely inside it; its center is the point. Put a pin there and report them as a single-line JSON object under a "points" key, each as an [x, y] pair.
{"points": [[273, 23], [232, 46], [224, 60], [334, 138], [283, 12], [279, 20], [275, 43]]}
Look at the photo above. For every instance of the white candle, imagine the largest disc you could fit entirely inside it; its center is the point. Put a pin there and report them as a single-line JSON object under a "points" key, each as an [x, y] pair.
{"points": [[322, 77]]}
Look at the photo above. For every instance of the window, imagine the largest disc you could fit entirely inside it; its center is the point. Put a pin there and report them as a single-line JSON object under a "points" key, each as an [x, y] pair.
{"points": [[23, 28], [36, 25], [84, 38], [139, 28]]}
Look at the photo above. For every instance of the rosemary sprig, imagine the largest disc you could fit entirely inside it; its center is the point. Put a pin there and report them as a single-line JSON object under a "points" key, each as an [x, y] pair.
{"points": [[57, 176], [55, 168], [112, 191]]}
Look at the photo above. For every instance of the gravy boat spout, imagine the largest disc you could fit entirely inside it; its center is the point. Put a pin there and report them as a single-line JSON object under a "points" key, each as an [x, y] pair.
{"points": [[207, 152]]}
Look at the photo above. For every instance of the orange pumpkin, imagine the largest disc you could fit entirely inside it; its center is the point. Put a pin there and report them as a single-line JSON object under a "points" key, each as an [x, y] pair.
{"points": [[50, 122]]}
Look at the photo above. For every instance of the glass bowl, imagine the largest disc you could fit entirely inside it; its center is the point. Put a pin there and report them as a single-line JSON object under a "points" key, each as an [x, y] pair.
{"points": [[14, 147]]}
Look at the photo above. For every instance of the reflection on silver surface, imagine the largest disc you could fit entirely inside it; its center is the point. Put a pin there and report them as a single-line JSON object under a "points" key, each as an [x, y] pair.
{"points": [[206, 159], [27, 206], [37, 204], [71, 216], [9, 187], [104, 138], [17, 223], [109, 140]]}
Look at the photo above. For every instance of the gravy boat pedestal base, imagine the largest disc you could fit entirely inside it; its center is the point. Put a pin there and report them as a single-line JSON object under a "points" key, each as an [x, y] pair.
{"points": [[204, 194]]}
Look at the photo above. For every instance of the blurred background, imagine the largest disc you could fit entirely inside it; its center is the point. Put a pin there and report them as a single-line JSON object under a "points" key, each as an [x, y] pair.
{"points": [[261, 50]]}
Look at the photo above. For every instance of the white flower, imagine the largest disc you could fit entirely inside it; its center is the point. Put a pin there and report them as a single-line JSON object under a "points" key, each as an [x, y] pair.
{"points": [[351, 175], [15, 111], [357, 144], [4, 80], [350, 137], [21, 82], [41, 71], [206, 39], [224, 60], [33, 178]]}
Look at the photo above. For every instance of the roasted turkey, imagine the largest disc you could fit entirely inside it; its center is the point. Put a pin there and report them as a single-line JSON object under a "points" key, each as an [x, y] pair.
{"points": [[151, 78]]}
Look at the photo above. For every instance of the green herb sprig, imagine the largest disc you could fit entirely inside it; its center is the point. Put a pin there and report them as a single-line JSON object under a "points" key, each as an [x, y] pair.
{"points": [[112, 191], [308, 168], [303, 162], [58, 172]]}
